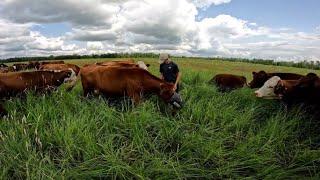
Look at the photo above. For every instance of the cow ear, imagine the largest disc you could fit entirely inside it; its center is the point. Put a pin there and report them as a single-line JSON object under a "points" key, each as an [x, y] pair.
{"points": [[254, 73], [313, 77], [148, 65]]}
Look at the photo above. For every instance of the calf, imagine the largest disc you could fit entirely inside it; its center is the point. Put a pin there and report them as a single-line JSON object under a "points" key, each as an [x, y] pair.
{"points": [[227, 82], [133, 82], [259, 78]]}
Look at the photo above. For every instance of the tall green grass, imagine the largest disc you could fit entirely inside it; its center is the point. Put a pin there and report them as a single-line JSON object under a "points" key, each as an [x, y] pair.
{"points": [[216, 135]]}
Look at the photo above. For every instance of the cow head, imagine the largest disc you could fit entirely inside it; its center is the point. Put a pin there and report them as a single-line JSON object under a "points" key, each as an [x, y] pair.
{"points": [[259, 78], [285, 87], [280, 89], [142, 65], [170, 96], [70, 76], [267, 90]]}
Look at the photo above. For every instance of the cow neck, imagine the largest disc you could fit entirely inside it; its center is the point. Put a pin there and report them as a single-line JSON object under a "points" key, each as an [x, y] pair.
{"points": [[152, 83]]}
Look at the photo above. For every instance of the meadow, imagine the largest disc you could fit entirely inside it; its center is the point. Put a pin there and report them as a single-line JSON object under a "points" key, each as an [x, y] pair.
{"points": [[216, 135]]}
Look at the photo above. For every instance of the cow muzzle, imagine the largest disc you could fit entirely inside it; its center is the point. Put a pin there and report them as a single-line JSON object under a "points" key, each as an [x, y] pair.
{"points": [[176, 101]]}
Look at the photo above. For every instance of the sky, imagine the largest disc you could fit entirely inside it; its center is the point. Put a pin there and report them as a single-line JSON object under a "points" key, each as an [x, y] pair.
{"points": [[286, 30]]}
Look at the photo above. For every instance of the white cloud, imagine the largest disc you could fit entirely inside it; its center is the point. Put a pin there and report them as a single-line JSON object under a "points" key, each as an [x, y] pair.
{"points": [[101, 26], [95, 46], [19, 40], [207, 3], [94, 34], [86, 12]]}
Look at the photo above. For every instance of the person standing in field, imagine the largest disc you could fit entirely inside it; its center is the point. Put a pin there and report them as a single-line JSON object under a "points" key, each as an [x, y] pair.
{"points": [[169, 71]]}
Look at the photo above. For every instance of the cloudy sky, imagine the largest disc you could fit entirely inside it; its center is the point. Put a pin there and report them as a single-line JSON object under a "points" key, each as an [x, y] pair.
{"points": [[269, 29]]}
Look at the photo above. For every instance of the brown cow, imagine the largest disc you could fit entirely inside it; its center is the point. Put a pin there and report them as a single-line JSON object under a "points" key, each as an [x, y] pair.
{"points": [[129, 63], [124, 64], [133, 82], [65, 66], [227, 82], [33, 65], [305, 90], [259, 78], [6, 69], [20, 66], [19, 82], [16, 83], [285, 87], [51, 62], [3, 65]]}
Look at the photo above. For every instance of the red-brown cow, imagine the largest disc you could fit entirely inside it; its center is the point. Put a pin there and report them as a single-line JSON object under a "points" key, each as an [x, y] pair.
{"points": [[51, 62], [33, 65], [20, 66], [227, 82], [19, 82], [124, 64], [3, 65], [305, 90], [129, 63], [259, 78], [16, 83], [6, 69], [61, 67], [133, 82]]}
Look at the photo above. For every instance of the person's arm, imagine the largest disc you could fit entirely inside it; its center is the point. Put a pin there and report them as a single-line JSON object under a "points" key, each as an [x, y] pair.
{"points": [[178, 73], [161, 72]]}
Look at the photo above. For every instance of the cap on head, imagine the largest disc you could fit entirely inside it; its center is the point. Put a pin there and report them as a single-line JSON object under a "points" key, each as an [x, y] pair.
{"points": [[163, 57]]}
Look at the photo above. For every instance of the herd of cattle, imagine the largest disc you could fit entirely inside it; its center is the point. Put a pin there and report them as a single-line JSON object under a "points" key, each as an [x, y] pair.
{"points": [[127, 78], [112, 78], [290, 88]]}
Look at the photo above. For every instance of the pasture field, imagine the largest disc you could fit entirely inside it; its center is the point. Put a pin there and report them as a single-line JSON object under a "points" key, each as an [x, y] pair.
{"points": [[216, 135]]}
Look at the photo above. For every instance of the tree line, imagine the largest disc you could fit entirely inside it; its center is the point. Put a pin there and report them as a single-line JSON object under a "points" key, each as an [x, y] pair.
{"points": [[302, 64]]}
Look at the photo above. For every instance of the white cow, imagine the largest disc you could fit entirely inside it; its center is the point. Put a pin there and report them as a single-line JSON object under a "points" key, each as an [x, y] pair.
{"points": [[267, 90]]}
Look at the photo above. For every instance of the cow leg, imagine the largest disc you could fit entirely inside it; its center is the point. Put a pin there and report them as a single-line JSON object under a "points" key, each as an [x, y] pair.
{"points": [[87, 90], [3, 111], [135, 96]]}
